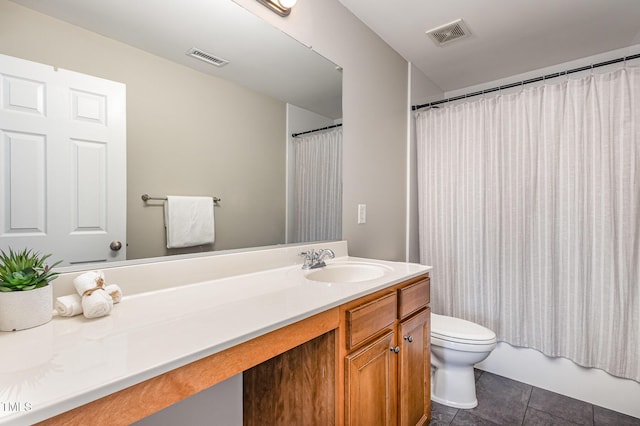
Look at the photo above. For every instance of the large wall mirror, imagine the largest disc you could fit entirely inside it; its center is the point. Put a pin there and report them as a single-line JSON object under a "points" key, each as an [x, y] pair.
{"points": [[193, 128]]}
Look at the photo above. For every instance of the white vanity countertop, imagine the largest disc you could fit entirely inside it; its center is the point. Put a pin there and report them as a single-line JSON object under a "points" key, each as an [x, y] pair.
{"points": [[69, 362]]}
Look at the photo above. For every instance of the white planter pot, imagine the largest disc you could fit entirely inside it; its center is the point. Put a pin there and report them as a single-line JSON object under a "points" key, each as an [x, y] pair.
{"points": [[25, 309]]}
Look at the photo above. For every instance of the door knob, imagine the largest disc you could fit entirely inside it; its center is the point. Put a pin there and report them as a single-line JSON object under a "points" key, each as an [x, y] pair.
{"points": [[115, 245]]}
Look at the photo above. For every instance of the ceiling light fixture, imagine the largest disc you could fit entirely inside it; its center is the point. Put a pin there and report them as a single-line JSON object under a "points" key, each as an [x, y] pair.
{"points": [[281, 7]]}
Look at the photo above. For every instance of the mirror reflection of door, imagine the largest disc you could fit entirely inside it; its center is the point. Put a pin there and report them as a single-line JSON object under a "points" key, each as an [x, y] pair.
{"points": [[63, 162]]}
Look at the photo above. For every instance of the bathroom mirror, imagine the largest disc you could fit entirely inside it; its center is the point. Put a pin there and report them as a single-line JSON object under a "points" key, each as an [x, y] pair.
{"points": [[193, 128]]}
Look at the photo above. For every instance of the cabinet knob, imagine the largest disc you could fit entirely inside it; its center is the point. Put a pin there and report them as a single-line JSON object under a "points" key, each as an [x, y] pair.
{"points": [[408, 338], [115, 245], [395, 349]]}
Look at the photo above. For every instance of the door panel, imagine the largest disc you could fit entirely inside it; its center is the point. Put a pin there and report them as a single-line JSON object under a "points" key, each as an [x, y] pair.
{"points": [[26, 214]]}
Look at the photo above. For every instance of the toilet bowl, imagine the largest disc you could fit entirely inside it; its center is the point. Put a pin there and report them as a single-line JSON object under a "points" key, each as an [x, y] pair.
{"points": [[456, 346]]}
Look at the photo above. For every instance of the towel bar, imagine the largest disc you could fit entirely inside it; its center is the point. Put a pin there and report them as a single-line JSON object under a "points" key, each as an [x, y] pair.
{"points": [[147, 197]]}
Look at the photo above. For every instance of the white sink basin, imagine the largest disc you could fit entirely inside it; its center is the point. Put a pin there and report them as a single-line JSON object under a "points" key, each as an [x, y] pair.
{"points": [[348, 272]]}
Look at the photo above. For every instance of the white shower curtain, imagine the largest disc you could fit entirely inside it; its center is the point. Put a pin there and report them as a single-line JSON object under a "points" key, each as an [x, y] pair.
{"points": [[318, 186], [530, 214]]}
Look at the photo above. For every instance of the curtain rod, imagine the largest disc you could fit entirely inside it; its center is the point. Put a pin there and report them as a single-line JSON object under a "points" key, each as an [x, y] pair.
{"points": [[294, 135], [523, 82]]}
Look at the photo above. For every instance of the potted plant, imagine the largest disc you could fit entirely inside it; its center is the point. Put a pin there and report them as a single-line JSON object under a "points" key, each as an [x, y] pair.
{"points": [[26, 298]]}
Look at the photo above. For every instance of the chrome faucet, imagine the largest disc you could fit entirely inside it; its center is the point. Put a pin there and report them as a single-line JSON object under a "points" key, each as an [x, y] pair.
{"points": [[315, 259]]}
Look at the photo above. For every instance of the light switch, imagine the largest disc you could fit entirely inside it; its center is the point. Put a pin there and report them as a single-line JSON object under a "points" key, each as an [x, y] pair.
{"points": [[362, 214]]}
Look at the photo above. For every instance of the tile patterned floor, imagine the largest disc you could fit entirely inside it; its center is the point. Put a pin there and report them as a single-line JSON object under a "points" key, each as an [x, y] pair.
{"points": [[505, 402]]}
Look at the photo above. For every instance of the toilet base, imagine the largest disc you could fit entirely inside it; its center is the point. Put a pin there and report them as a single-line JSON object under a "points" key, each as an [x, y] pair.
{"points": [[454, 387]]}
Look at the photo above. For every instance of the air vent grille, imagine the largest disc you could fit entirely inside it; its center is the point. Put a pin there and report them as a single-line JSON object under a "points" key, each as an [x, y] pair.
{"points": [[207, 57], [450, 32]]}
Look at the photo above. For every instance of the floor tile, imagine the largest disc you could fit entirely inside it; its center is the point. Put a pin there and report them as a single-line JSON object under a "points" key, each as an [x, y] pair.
{"points": [[465, 418], [477, 373], [557, 405], [505, 402], [500, 400], [603, 416], [535, 417], [442, 414]]}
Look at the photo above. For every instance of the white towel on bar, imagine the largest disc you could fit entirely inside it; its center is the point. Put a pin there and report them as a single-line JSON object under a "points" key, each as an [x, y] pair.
{"points": [[189, 221]]}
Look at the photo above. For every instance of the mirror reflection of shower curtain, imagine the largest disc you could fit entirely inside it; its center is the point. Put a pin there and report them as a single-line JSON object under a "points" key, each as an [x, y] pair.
{"points": [[318, 186]]}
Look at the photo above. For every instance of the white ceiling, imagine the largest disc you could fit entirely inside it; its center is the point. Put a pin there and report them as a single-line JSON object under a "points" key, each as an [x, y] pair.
{"points": [[509, 37], [260, 57]]}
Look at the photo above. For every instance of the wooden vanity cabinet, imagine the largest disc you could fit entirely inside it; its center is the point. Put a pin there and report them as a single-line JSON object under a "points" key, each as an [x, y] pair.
{"points": [[387, 357], [373, 369]]}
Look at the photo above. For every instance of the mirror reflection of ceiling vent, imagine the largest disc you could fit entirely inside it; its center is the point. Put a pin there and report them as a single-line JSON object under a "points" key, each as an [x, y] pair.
{"points": [[450, 32], [207, 57]]}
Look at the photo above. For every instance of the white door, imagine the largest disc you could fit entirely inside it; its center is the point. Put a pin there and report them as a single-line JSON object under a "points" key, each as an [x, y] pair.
{"points": [[62, 163]]}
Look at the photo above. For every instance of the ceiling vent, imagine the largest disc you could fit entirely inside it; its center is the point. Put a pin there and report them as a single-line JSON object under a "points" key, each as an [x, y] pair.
{"points": [[207, 57], [448, 33]]}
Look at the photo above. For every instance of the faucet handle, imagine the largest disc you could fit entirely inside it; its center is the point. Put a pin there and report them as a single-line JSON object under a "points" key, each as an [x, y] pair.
{"points": [[327, 252], [309, 256]]}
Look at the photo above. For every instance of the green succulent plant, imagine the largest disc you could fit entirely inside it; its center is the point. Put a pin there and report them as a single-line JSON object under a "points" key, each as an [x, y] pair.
{"points": [[25, 270]]}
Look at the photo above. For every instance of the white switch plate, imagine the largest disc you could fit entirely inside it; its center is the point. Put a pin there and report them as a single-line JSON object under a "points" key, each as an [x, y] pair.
{"points": [[362, 214]]}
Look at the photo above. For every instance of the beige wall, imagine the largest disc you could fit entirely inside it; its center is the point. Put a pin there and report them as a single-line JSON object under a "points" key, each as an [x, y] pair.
{"points": [[187, 133], [375, 116]]}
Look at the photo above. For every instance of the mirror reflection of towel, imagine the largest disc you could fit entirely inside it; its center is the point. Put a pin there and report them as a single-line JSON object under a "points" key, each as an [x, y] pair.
{"points": [[189, 221]]}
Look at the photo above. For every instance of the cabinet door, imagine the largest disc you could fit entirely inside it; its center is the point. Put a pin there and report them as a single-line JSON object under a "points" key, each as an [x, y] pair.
{"points": [[415, 370], [371, 384]]}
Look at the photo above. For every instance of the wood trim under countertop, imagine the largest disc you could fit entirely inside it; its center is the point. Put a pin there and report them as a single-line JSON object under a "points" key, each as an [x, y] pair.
{"points": [[143, 399]]}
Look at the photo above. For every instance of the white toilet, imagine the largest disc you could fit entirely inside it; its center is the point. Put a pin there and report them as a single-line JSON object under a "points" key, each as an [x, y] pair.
{"points": [[456, 346]]}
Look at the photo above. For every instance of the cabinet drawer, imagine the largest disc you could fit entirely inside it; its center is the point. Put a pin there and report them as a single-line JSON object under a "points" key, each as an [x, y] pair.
{"points": [[366, 320], [413, 298]]}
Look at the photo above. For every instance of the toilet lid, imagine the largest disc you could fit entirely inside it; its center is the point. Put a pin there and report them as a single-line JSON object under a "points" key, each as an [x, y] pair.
{"points": [[457, 329]]}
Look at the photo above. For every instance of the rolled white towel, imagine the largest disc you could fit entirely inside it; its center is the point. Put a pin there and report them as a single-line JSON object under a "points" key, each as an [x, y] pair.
{"points": [[115, 292], [69, 305], [97, 304], [87, 281]]}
